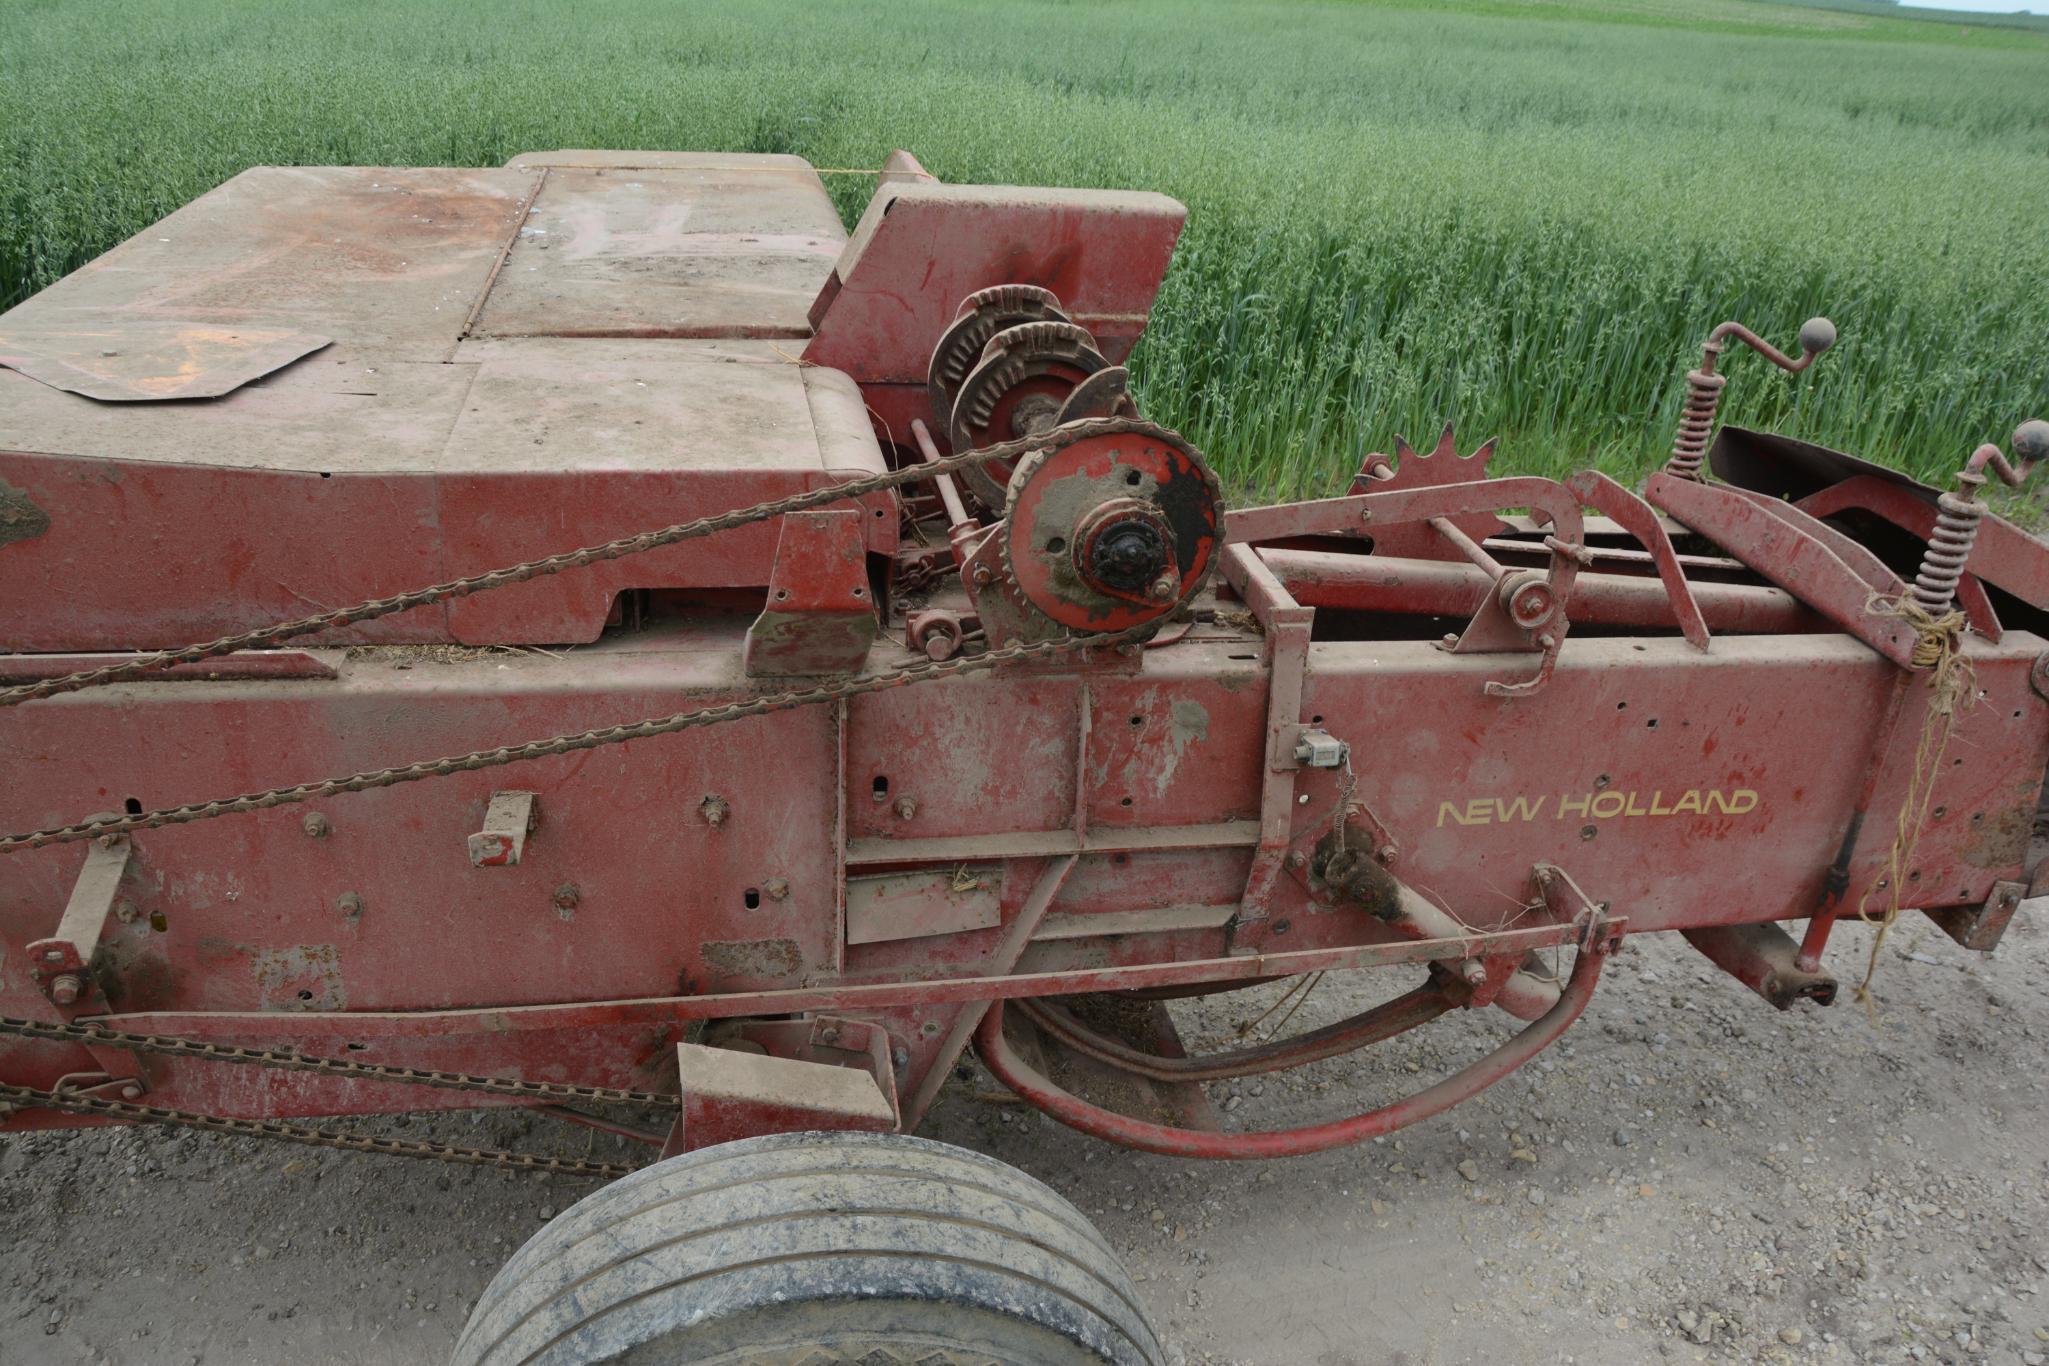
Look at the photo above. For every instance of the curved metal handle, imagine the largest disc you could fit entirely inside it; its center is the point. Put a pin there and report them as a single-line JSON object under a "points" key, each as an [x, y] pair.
{"points": [[1817, 335]]}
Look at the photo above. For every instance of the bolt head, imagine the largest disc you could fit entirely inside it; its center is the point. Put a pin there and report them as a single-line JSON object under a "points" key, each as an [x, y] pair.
{"points": [[131, 1092], [315, 825], [53, 955], [567, 897], [906, 807], [66, 989], [778, 888]]}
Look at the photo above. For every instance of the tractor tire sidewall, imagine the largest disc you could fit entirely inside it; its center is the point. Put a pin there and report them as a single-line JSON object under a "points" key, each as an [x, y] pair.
{"points": [[811, 1248]]}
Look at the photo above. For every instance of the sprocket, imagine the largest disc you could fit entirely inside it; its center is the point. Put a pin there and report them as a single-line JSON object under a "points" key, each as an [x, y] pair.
{"points": [[1111, 530]]}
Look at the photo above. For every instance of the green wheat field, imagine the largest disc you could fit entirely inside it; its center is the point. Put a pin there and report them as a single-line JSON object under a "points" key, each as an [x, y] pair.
{"points": [[1521, 215]]}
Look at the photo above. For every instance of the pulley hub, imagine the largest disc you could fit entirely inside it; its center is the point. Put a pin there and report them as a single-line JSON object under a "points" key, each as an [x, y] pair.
{"points": [[1110, 531]]}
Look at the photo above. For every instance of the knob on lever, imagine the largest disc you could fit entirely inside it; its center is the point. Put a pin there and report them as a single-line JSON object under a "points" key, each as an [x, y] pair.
{"points": [[1704, 386]]}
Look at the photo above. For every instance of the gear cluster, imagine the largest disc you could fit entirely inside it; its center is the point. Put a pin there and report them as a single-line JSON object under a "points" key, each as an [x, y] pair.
{"points": [[1109, 522]]}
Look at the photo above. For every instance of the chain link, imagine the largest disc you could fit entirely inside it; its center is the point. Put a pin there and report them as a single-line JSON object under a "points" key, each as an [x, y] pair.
{"points": [[79, 1103], [370, 610], [171, 1045], [563, 744]]}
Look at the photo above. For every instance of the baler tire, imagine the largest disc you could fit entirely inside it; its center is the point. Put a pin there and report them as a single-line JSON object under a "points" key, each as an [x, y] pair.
{"points": [[811, 1248]]}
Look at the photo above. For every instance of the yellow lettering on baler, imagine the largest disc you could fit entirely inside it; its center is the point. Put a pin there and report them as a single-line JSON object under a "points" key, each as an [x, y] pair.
{"points": [[1606, 805]]}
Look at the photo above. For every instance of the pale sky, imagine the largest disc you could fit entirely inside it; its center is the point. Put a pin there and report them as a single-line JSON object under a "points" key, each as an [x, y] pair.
{"points": [[1985, 6]]}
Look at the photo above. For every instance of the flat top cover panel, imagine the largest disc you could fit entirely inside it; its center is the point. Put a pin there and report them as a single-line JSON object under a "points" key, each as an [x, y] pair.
{"points": [[377, 259], [676, 245]]}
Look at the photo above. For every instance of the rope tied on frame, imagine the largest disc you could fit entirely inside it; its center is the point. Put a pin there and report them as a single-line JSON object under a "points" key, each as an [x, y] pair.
{"points": [[1938, 648]]}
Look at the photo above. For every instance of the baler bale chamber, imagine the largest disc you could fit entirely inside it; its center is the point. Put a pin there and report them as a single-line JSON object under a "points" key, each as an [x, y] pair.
{"points": [[661, 651]]}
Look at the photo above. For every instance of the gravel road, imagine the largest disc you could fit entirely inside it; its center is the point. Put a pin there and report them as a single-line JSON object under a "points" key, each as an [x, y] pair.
{"points": [[1689, 1176]]}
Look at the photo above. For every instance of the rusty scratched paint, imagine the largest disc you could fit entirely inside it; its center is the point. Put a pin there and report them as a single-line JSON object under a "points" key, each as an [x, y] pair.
{"points": [[20, 518], [754, 958], [300, 977]]}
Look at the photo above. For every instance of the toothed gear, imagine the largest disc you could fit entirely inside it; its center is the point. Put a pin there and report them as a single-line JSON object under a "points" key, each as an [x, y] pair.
{"points": [[981, 316], [1025, 375], [1108, 530]]}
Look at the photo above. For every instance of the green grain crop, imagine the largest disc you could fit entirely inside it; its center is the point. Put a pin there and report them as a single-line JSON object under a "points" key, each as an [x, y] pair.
{"points": [[1518, 216]]}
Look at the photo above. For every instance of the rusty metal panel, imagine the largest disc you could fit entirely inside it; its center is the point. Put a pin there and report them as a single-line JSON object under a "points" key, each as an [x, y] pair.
{"points": [[118, 566], [117, 359], [729, 1094], [713, 247], [549, 455], [986, 754], [348, 480], [921, 248], [916, 905], [388, 260], [1691, 789], [382, 909]]}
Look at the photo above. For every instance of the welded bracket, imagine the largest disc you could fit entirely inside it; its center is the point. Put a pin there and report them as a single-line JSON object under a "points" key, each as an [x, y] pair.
{"points": [[508, 820], [1640, 520], [820, 617], [1982, 927], [1286, 627], [1803, 555], [62, 964], [784, 1076]]}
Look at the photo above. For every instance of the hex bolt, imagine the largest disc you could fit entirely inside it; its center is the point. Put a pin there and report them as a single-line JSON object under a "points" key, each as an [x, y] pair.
{"points": [[125, 911], [778, 888], [131, 1092], [567, 897], [315, 825], [906, 807], [53, 955], [65, 989], [714, 809], [829, 1034], [1296, 860], [1473, 970], [900, 1055], [350, 904]]}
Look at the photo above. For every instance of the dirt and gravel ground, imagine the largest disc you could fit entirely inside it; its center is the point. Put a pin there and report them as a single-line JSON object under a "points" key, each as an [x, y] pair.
{"points": [[1690, 1176]]}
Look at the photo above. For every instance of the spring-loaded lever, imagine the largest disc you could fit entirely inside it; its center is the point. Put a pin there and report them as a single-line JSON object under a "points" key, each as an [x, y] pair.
{"points": [[1960, 510], [1704, 386]]}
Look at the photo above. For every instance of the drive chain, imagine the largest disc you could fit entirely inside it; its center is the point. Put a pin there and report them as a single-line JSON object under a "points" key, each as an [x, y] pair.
{"points": [[79, 1103], [370, 610], [171, 1045]]}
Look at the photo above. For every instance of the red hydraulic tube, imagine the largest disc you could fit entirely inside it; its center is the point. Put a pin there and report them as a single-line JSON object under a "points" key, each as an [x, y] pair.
{"points": [[1071, 1110]]}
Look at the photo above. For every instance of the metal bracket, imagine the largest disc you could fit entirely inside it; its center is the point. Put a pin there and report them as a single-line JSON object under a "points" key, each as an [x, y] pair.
{"points": [[508, 820], [780, 1076], [62, 964], [820, 616], [1984, 926]]}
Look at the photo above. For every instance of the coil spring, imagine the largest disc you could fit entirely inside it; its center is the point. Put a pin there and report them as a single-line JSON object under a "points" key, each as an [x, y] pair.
{"points": [[1696, 423], [1949, 547]]}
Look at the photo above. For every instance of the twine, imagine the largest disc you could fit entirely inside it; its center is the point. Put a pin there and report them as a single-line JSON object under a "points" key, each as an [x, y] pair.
{"points": [[1938, 648]]}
